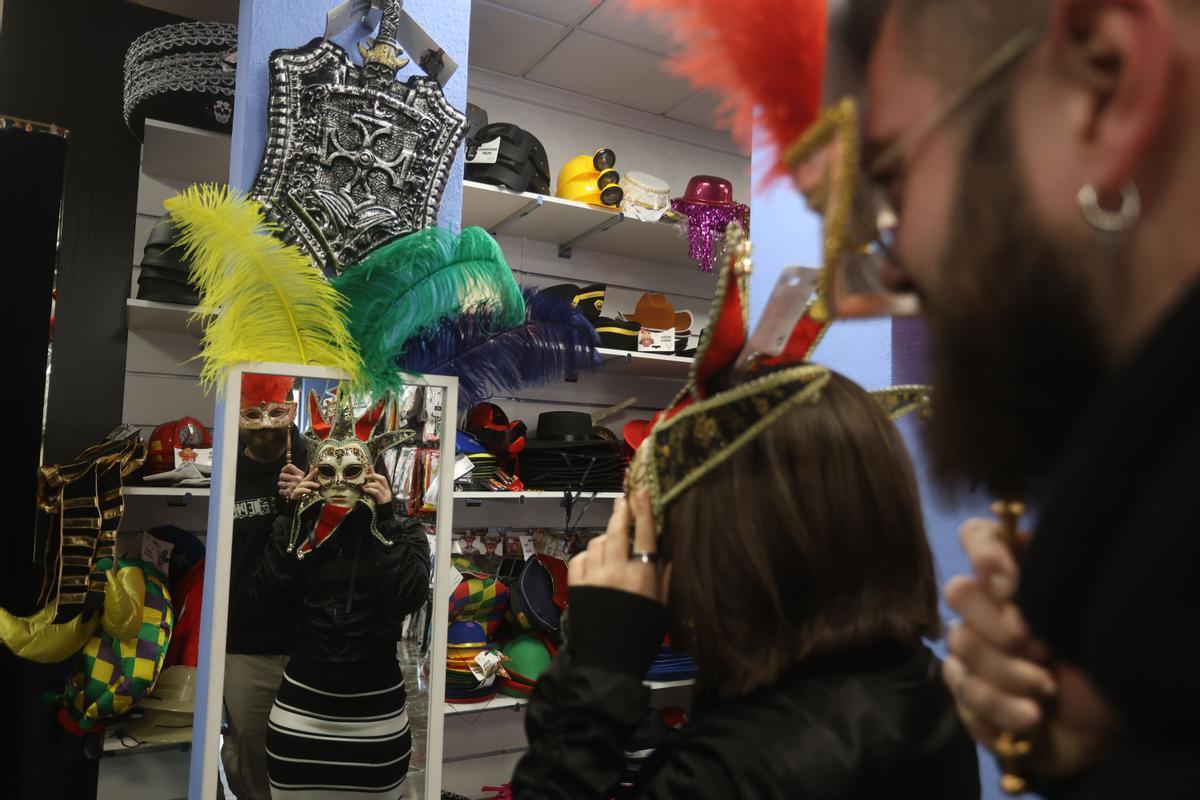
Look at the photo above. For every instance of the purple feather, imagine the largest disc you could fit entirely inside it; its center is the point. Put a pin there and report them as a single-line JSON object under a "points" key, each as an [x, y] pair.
{"points": [[556, 341]]}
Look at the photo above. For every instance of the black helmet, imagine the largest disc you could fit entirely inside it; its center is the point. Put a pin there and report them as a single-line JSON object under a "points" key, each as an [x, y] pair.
{"points": [[521, 162]]}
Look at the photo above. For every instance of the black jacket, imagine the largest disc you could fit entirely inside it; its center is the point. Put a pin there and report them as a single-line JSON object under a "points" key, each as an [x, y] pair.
{"points": [[878, 725], [256, 504], [349, 596], [1109, 582]]}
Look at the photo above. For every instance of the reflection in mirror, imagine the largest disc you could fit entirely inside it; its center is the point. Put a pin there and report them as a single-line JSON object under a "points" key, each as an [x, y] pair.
{"points": [[327, 642]]}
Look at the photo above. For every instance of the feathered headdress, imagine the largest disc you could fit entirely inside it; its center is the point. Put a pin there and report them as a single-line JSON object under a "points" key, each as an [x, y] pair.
{"points": [[555, 341], [407, 287], [714, 415], [272, 303], [761, 57]]}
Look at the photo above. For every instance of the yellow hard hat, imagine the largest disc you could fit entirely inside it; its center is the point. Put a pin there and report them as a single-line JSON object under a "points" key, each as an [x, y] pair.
{"points": [[603, 159], [601, 189]]}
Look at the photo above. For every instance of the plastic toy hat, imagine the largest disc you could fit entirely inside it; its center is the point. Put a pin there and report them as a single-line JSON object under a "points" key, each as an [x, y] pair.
{"points": [[603, 159], [597, 188], [714, 415], [267, 402]]}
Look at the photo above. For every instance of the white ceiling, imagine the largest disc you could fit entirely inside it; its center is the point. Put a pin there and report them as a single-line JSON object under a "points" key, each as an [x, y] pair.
{"points": [[592, 47]]}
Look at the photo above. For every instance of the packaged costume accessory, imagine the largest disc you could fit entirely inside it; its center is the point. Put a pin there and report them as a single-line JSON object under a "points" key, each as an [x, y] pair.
{"points": [[503, 154], [170, 438], [354, 159], [182, 73]]}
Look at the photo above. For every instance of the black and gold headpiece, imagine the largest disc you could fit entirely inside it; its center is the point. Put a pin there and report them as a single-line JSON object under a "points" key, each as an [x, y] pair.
{"points": [[714, 416]]}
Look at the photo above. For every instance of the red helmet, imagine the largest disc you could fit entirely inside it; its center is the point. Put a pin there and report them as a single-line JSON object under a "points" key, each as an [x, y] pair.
{"points": [[186, 432]]}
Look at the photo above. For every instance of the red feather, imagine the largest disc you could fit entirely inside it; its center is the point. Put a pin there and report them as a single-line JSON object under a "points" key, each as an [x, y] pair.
{"points": [[265, 389], [764, 58]]}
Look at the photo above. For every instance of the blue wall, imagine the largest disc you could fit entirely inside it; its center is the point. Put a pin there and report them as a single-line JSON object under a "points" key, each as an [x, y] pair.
{"points": [[874, 353], [264, 26]]}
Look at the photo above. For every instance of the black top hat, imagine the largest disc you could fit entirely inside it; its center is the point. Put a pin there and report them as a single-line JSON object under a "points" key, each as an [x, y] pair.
{"points": [[559, 429]]}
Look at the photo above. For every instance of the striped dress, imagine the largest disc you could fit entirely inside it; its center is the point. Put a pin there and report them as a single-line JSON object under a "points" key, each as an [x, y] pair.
{"points": [[339, 730]]}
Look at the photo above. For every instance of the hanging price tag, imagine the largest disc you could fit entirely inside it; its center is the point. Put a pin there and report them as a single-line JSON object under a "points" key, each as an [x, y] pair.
{"points": [[340, 17], [527, 546]]}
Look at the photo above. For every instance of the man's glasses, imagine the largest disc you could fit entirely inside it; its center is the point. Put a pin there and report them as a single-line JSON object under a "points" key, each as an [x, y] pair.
{"points": [[860, 221]]}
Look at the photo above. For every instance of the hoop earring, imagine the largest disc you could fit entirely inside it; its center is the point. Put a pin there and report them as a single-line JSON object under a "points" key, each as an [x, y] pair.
{"points": [[1110, 222]]}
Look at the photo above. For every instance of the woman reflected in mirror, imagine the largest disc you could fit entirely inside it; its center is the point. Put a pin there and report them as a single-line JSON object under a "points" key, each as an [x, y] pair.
{"points": [[349, 568]]}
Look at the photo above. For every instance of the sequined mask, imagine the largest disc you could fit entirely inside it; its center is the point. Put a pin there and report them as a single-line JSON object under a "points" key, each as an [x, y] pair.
{"points": [[341, 472]]}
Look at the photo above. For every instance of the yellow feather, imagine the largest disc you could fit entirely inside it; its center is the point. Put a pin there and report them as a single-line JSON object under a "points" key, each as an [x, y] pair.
{"points": [[274, 304]]}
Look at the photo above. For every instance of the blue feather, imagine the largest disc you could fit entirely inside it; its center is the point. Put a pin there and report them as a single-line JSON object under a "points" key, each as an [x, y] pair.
{"points": [[555, 341]]}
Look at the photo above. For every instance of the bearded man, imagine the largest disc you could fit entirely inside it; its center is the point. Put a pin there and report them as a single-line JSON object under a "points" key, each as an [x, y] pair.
{"points": [[1044, 215]]}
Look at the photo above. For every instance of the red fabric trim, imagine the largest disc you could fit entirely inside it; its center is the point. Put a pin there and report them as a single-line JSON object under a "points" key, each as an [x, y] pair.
{"points": [[331, 517], [800, 343], [316, 419], [367, 422]]}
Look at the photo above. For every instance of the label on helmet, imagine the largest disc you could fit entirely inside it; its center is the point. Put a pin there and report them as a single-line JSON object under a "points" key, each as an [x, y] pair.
{"points": [[485, 153]]}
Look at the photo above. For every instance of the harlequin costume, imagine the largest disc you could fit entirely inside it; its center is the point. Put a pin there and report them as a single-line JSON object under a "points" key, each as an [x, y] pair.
{"points": [[350, 571]]}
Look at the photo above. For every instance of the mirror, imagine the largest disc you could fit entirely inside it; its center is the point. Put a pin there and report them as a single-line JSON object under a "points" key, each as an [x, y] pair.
{"points": [[319, 670]]}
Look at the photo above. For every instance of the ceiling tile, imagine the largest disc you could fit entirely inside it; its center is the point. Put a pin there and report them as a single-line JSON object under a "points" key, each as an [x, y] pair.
{"points": [[620, 73], [494, 30], [568, 12], [699, 109], [616, 21]]}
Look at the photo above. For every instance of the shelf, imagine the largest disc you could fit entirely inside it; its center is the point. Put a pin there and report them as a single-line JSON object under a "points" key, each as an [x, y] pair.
{"points": [[166, 491], [564, 222], [504, 701], [148, 315], [181, 153], [644, 365], [521, 497], [655, 685], [115, 745]]}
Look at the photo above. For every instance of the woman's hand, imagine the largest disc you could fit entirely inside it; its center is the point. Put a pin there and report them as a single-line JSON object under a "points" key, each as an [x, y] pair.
{"points": [[377, 487], [607, 562], [306, 485], [289, 478], [1002, 679]]}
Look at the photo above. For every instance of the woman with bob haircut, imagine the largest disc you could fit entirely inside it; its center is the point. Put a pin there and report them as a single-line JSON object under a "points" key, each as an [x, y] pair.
{"points": [[781, 544]]}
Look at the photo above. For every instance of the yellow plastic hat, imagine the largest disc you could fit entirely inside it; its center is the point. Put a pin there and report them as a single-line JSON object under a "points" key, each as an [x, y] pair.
{"points": [[589, 190], [603, 159]]}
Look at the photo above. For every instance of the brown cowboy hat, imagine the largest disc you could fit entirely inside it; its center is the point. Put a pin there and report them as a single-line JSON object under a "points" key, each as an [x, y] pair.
{"points": [[655, 311]]}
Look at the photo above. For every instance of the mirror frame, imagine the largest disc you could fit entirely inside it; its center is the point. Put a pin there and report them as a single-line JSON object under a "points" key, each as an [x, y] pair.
{"points": [[210, 672]]}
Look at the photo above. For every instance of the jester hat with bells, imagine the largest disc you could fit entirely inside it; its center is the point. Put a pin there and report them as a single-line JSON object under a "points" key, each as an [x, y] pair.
{"points": [[342, 446], [724, 406]]}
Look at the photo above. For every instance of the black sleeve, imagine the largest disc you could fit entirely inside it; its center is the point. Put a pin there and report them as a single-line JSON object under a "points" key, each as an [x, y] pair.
{"points": [[402, 567], [588, 703], [275, 580]]}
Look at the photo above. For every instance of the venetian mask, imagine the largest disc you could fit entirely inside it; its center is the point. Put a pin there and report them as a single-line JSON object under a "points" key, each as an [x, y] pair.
{"points": [[341, 472]]}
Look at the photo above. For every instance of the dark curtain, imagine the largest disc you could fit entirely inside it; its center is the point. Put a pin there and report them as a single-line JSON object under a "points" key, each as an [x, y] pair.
{"points": [[32, 165]]}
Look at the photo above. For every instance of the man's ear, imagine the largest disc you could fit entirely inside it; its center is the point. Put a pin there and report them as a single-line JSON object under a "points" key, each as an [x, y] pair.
{"points": [[1120, 56]]}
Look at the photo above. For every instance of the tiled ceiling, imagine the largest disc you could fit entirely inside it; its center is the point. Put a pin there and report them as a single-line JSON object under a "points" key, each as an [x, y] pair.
{"points": [[595, 48]]}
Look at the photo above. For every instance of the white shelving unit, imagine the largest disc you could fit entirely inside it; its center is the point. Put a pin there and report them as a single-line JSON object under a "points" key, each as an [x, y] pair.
{"points": [[569, 224], [500, 701], [167, 491], [521, 497], [151, 316]]}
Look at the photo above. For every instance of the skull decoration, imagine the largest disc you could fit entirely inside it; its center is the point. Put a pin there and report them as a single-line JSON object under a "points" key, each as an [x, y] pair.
{"points": [[342, 446]]}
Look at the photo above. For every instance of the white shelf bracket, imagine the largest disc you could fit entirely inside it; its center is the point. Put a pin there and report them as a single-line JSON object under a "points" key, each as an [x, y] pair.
{"points": [[564, 250], [520, 213]]}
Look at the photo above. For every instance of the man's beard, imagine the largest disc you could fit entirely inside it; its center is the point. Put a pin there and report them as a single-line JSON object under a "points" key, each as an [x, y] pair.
{"points": [[1016, 352], [265, 444]]}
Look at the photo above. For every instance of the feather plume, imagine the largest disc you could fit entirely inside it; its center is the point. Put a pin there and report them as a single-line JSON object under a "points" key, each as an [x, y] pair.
{"points": [[763, 58], [555, 341], [407, 287], [274, 304]]}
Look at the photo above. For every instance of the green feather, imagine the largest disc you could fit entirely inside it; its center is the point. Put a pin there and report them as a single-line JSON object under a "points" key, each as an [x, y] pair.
{"points": [[405, 288]]}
